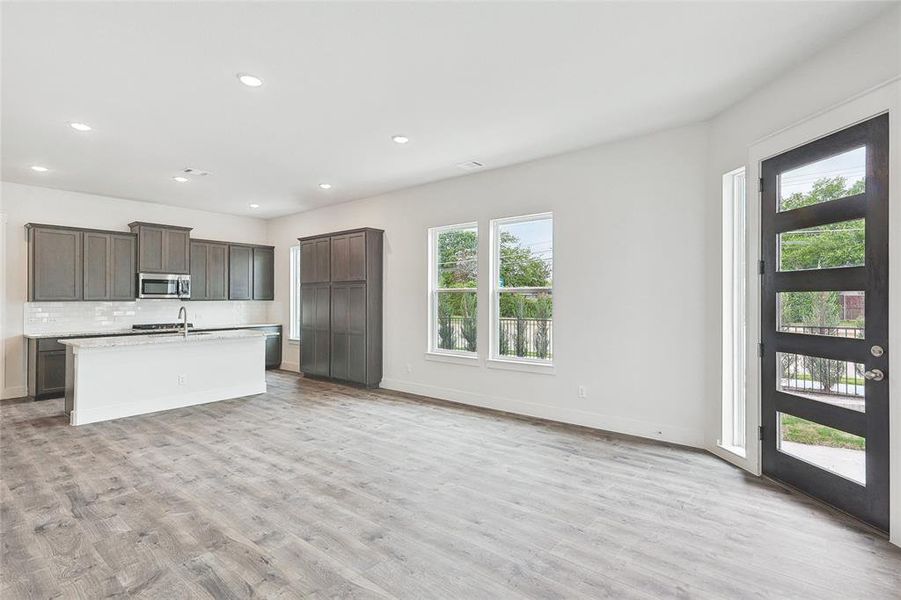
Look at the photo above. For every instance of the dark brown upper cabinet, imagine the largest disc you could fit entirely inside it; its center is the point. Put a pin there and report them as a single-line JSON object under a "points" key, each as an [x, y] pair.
{"points": [[315, 260], [209, 270], [251, 272], [263, 273], [349, 257], [109, 266], [66, 263], [123, 266], [162, 248], [55, 269], [240, 272]]}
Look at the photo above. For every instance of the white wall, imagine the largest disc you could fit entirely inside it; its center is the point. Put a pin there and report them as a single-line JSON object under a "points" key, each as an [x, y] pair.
{"points": [[23, 204], [629, 283], [854, 70]]}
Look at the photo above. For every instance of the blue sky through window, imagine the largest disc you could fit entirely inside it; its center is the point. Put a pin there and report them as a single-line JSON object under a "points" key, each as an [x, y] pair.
{"points": [[537, 236]]}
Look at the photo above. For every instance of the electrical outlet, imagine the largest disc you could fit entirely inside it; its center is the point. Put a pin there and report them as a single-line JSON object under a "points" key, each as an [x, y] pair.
{"points": [[182, 379], [583, 393], [409, 368]]}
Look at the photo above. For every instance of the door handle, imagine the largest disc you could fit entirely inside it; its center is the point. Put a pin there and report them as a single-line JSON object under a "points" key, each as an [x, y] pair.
{"points": [[874, 375]]}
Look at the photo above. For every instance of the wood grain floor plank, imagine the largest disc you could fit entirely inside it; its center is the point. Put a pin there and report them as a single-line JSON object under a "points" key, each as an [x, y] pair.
{"points": [[316, 490]]}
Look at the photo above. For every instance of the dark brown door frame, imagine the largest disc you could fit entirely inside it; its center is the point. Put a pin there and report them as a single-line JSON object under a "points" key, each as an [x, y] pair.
{"points": [[871, 502]]}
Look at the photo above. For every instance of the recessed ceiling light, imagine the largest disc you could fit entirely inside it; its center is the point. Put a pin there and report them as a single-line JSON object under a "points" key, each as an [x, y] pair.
{"points": [[180, 179], [39, 168], [325, 186], [400, 139], [250, 80], [80, 126], [254, 206]]}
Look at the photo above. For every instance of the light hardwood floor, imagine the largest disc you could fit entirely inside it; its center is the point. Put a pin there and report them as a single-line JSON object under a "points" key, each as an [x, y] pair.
{"points": [[314, 490]]}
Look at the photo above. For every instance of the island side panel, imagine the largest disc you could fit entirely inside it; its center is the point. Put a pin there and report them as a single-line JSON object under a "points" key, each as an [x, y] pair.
{"points": [[70, 381], [123, 381]]}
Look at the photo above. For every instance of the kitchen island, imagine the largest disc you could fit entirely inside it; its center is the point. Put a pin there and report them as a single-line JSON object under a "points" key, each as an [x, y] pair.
{"points": [[114, 377]]}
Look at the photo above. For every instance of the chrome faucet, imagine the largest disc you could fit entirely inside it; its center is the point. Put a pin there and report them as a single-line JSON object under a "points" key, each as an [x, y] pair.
{"points": [[183, 315]]}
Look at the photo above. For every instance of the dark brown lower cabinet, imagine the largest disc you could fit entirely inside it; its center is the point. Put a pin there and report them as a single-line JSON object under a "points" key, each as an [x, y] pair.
{"points": [[51, 382], [314, 329], [274, 350], [348, 320], [46, 369]]}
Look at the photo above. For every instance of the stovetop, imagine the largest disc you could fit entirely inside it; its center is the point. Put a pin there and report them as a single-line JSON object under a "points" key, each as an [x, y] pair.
{"points": [[153, 326]]}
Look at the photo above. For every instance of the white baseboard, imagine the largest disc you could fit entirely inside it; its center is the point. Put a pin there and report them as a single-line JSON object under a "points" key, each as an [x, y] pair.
{"points": [[14, 392], [290, 366], [645, 429]]}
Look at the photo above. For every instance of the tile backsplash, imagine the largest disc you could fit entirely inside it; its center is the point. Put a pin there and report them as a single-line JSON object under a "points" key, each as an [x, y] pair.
{"points": [[74, 317]]}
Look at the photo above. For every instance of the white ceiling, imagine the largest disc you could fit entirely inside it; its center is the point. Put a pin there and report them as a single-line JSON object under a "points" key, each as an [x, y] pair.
{"points": [[496, 83]]}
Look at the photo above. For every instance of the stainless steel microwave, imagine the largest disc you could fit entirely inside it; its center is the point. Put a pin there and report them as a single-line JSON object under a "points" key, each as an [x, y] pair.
{"points": [[161, 285]]}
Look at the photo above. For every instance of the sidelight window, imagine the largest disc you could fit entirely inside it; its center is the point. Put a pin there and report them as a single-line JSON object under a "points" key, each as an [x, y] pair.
{"points": [[294, 321], [734, 312], [522, 289], [453, 283]]}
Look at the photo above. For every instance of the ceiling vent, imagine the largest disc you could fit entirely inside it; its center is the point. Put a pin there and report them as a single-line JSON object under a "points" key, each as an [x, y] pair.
{"points": [[470, 165], [195, 172]]}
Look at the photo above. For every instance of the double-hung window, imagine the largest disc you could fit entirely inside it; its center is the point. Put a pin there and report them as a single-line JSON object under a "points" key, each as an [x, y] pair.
{"points": [[453, 283], [522, 289]]}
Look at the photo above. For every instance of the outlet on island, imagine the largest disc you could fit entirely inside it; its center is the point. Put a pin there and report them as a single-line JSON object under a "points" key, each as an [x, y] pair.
{"points": [[182, 379]]}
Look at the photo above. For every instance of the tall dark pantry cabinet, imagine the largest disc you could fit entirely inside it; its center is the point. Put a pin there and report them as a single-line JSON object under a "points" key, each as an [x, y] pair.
{"points": [[341, 306]]}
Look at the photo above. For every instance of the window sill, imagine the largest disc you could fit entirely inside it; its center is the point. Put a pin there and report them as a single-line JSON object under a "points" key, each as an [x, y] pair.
{"points": [[522, 366], [736, 450], [294, 342], [457, 359]]}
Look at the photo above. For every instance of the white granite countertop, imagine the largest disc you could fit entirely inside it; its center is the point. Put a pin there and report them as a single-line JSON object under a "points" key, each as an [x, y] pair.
{"points": [[130, 331], [165, 338]]}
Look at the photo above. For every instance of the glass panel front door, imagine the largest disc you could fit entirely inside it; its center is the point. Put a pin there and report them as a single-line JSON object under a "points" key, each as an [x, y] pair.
{"points": [[824, 302]]}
